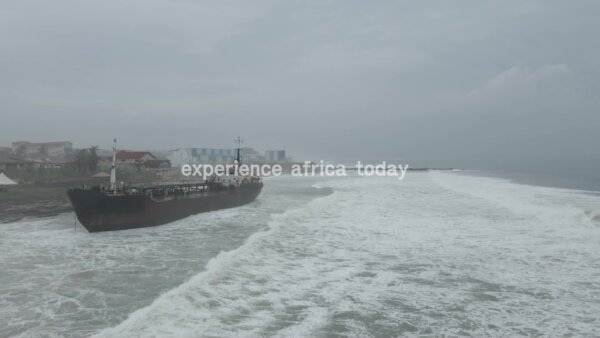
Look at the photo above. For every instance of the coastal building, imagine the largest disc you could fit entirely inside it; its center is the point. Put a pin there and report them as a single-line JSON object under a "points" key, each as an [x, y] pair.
{"points": [[179, 157], [27, 149], [8, 162], [250, 155], [15, 163], [156, 164], [275, 156], [134, 157]]}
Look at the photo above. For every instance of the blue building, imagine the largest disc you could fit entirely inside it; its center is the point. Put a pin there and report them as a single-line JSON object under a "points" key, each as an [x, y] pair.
{"points": [[275, 155]]}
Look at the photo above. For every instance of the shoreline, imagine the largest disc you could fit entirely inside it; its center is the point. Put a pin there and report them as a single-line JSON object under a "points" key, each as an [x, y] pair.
{"points": [[34, 210], [547, 180], [43, 201], [32, 201]]}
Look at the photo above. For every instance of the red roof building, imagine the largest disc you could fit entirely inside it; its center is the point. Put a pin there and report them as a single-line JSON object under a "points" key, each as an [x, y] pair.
{"points": [[134, 156]]}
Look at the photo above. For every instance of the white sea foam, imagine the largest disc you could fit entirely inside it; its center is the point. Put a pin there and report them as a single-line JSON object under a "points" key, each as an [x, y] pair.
{"points": [[436, 254]]}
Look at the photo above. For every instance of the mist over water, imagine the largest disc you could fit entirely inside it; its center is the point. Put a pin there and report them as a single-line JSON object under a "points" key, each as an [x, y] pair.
{"points": [[506, 91], [437, 253]]}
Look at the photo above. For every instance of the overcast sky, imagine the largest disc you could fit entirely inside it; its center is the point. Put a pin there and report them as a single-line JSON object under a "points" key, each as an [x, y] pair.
{"points": [[472, 82]]}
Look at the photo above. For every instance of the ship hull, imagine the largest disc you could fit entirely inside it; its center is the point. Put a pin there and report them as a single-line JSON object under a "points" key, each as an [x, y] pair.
{"points": [[97, 211]]}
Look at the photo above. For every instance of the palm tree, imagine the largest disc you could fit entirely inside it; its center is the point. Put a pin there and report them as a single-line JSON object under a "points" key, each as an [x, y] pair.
{"points": [[82, 160], [93, 158]]}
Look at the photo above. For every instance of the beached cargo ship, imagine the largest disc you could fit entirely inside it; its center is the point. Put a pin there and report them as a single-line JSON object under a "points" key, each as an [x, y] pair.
{"points": [[117, 208]]}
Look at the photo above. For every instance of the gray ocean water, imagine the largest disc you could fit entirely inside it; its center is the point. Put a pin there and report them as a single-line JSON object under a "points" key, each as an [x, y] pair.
{"points": [[435, 254]]}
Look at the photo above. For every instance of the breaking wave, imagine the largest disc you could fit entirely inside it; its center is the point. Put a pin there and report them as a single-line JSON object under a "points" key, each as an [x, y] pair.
{"points": [[436, 254]]}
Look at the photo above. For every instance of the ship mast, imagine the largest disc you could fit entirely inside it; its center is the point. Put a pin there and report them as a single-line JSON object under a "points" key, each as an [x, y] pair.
{"points": [[113, 170], [238, 141]]}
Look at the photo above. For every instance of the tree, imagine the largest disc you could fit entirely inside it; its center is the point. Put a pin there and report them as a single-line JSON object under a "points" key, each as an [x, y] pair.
{"points": [[93, 158], [82, 160]]}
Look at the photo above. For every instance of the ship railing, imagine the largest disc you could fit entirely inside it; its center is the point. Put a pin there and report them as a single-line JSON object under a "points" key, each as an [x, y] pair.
{"points": [[182, 189], [171, 189]]}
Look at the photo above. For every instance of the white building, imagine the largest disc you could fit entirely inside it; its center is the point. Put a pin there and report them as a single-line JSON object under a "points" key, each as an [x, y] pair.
{"points": [[183, 156], [49, 149], [275, 156]]}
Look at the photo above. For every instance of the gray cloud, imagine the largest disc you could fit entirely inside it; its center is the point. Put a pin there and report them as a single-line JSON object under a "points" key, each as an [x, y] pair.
{"points": [[466, 83]]}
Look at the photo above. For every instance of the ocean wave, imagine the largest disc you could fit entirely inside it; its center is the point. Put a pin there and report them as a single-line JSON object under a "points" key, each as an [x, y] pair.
{"points": [[438, 253], [193, 298], [544, 203], [435, 254]]}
